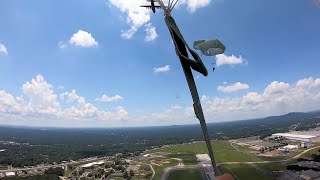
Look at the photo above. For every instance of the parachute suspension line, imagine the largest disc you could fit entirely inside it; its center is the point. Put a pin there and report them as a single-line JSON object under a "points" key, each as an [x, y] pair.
{"points": [[169, 3], [171, 8]]}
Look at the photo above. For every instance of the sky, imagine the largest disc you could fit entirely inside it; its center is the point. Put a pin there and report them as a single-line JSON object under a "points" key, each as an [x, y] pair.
{"points": [[110, 63]]}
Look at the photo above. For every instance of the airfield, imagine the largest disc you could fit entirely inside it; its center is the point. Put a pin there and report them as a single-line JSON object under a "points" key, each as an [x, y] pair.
{"points": [[180, 161]]}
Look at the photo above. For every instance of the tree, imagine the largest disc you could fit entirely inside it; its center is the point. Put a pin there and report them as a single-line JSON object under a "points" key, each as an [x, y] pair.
{"points": [[55, 171], [131, 172], [125, 174]]}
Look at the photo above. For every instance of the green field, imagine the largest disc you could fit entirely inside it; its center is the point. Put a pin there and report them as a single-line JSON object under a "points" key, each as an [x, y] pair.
{"points": [[309, 153], [159, 169], [224, 152], [185, 174], [244, 172]]}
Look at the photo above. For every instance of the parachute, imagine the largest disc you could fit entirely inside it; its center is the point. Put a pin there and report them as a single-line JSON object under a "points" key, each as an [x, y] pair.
{"points": [[210, 47]]}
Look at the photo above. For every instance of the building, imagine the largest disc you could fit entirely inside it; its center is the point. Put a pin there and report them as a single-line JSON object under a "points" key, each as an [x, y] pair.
{"points": [[146, 155], [296, 137], [289, 148], [10, 174], [305, 144], [89, 165], [203, 158]]}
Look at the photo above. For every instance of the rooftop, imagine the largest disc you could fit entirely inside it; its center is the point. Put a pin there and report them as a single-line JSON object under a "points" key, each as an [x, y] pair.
{"points": [[294, 135]]}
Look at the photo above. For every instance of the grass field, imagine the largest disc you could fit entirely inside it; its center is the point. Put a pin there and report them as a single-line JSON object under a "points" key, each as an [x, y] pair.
{"points": [[188, 158], [244, 172], [159, 169], [185, 174], [224, 152], [309, 153]]}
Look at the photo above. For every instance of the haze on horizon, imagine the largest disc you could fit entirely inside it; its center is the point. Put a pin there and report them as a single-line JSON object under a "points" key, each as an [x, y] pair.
{"points": [[110, 63]]}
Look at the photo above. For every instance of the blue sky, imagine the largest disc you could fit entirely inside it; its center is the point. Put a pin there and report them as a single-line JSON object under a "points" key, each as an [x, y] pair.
{"points": [[78, 51]]}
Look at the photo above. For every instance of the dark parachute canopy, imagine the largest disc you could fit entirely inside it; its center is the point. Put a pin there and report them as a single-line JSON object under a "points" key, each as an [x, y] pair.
{"points": [[210, 47]]}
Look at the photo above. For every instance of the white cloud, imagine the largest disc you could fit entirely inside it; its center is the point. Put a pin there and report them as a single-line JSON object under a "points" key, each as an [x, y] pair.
{"points": [[62, 45], [70, 96], [277, 98], [41, 96], [193, 5], [83, 39], [161, 69], [105, 98], [40, 106], [233, 88], [136, 16], [151, 33], [3, 49], [222, 59]]}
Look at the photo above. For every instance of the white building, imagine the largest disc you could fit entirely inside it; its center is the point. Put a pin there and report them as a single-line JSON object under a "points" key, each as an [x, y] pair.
{"points": [[297, 137], [146, 155], [92, 164], [10, 174], [289, 148], [203, 158]]}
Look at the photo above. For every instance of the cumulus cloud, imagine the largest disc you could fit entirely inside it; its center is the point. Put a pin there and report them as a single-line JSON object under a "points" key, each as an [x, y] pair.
{"points": [[223, 59], [137, 16], [233, 87], [105, 98], [82, 39], [277, 98], [40, 102], [3, 49], [193, 5], [41, 96], [40, 105], [151, 33], [161, 69]]}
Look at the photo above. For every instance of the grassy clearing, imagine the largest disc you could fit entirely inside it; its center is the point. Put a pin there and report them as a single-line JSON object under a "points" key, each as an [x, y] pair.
{"points": [[185, 174], [159, 169], [188, 158], [244, 172], [272, 166], [309, 153], [224, 152]]}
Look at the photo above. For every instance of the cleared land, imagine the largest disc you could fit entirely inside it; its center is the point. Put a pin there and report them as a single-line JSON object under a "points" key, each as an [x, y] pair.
{"points": [[224, 152], [185, 174], [245, 172], [159, 167]]}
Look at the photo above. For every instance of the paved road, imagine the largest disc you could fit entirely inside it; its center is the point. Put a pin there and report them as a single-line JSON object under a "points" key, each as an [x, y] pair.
{"points": [[253, 162], [153, 172]]}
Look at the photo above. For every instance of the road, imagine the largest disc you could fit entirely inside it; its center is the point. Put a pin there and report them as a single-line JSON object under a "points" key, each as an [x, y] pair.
{"points": [[153, 172], [253, 162], [297, 156]]}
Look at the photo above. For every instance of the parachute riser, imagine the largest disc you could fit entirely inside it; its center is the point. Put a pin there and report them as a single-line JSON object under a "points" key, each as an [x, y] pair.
{"points": [[182, 53]]}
